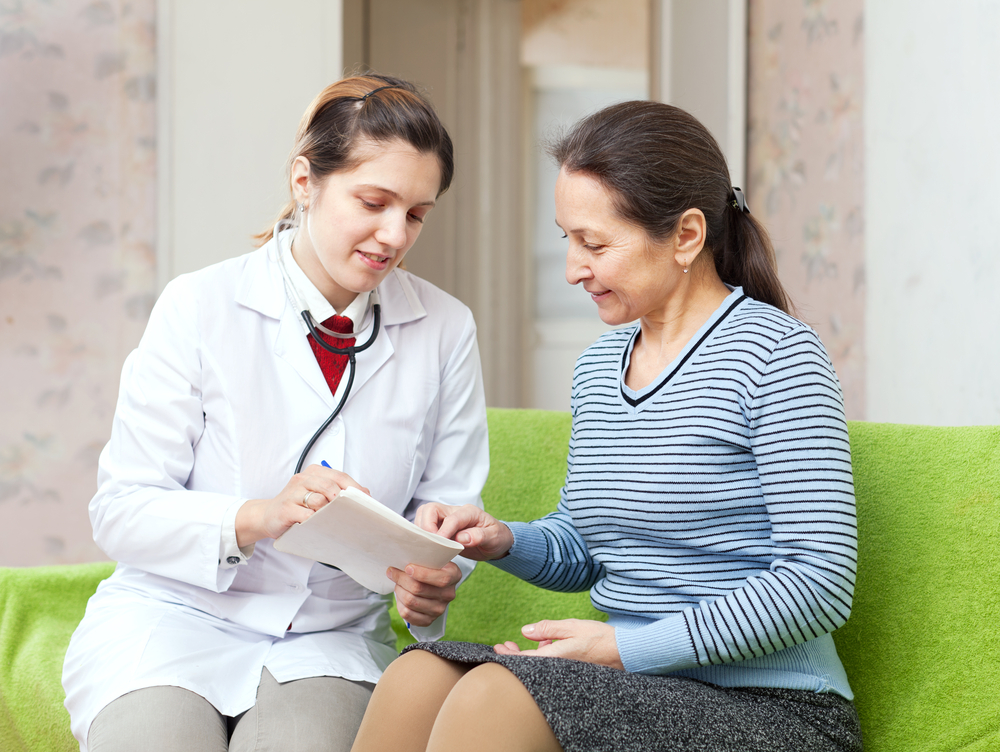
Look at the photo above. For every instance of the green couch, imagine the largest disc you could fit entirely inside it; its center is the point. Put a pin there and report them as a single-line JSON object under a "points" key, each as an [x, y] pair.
{"points": [[921, 647]]}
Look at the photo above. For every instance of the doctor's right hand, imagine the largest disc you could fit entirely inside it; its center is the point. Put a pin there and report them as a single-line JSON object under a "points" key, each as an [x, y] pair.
{"points": [[304, 493], [485, 538]]}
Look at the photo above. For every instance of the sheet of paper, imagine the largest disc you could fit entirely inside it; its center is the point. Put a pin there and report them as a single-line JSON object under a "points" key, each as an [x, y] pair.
{"points": [[363, 538]]}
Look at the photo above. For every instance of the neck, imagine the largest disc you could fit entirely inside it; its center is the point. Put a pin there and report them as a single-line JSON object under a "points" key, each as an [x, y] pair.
{"points": [[305, 257], [665, 331]]}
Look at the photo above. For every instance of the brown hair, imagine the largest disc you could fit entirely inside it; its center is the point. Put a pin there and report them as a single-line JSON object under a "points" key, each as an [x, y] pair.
{"points": [[658, 161], [371, 108]]}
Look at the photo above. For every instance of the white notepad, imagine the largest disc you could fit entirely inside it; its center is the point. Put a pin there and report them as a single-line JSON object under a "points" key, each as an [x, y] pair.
{"points": [[363, 538]]}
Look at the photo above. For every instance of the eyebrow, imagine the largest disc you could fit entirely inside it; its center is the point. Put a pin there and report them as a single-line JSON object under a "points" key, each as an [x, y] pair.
{"points": [[393, 193], [562, 229]]}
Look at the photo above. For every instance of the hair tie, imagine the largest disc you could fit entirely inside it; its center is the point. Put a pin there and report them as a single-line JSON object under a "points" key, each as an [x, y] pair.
{"points": [[376, 91], [739, 201]]}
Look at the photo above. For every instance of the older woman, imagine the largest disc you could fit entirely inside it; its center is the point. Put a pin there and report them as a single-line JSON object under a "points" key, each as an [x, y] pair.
{"points": [[708, 504]]}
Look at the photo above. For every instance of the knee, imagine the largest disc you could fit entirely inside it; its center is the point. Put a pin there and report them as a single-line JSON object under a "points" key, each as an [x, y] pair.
{"points": [[416, 663], [480, 690]]}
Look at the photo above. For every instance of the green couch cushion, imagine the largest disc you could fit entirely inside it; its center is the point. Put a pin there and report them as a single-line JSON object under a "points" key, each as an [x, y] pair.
{"points": [[921, 648]]}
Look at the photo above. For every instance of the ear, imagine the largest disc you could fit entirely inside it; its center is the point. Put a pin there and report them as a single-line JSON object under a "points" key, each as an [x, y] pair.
{"points": [[690, 237], [301, 173]]}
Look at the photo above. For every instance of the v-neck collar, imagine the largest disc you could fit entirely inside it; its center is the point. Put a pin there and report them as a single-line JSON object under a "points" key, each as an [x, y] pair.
{"points": [[634, 399]]}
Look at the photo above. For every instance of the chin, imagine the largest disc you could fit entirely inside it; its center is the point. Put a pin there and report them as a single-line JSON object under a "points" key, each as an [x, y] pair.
{"points": [[611, 318]]}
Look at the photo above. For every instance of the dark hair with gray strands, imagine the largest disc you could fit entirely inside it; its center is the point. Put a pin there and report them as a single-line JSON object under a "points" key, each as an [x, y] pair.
{"points": [[658, 161]]}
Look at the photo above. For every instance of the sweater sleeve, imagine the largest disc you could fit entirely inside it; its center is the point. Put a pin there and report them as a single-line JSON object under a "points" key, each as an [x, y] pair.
{"points": [[799, 440], [551, 554]]}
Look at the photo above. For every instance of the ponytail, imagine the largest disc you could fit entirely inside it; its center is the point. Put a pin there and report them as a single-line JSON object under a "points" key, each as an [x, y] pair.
{"points": [[747, 260], [658, 161]]}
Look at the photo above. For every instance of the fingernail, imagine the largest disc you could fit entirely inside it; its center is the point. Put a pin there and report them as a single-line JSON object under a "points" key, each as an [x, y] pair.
{"points": [[528, 629], [464, 538], [409, 571]]}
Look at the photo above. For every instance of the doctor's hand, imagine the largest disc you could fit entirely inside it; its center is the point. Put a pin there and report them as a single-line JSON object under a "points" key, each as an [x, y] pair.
{"points": [[484, 537], [304, 493], [579, 639], [423, 594]]}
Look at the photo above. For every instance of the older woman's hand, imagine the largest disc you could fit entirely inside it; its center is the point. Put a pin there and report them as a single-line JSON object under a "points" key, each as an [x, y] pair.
{"points": [[579, 639], [484, 537]]}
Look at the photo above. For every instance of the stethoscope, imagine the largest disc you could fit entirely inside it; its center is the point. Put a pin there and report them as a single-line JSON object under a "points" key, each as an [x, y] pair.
{"points": [[350, 351]]}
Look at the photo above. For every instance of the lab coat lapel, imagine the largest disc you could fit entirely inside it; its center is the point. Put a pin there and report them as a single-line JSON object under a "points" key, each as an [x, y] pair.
{"points": [[400, 305], [262, 289]]}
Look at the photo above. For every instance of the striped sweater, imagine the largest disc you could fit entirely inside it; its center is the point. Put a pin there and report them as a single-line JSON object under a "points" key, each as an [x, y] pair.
{"points": [[710, 514]]}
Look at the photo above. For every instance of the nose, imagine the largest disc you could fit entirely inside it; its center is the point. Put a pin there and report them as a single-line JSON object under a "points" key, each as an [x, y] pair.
{"points": [[392, 231], [576, 268]]}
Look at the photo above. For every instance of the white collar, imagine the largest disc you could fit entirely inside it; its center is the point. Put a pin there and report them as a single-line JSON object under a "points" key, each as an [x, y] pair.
{"points": [[318, 306]]}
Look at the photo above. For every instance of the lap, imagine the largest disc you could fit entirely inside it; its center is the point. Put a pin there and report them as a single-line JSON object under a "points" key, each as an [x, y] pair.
{"points": [[597, 708], [321, 713]]}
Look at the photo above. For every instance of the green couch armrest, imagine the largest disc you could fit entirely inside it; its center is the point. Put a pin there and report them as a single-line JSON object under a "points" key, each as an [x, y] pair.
{"points": [[921, 648], [39, 609]]}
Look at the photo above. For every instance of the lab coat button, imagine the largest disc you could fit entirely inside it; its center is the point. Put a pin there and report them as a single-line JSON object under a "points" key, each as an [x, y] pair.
{"points": [[234, 560]]}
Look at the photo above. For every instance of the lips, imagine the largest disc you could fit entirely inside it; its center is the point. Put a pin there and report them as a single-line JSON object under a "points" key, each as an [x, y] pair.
{"points": [[599, 296], [375, 261]]}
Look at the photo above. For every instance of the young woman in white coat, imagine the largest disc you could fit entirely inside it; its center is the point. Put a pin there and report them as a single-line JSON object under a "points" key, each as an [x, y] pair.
{"points": [[206, 637]]}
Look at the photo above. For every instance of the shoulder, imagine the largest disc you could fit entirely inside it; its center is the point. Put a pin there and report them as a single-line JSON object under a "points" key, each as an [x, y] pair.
{"points": [[217, 281], [602, 360], [767, 329], [609, 347], [426, 318], [408, 299], [200, 297], [793, 357], [433, 299]]}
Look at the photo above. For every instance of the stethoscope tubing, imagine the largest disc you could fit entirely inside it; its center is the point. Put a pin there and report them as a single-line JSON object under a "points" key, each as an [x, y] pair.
{"points": [[350, 352]]}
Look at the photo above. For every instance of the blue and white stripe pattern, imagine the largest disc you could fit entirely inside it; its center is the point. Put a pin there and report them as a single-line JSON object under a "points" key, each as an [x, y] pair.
{"points": [[712, 513]]}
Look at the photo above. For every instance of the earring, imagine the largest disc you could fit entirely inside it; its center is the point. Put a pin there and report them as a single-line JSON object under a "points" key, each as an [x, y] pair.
{"points": [[300, 206], [685, 269]]}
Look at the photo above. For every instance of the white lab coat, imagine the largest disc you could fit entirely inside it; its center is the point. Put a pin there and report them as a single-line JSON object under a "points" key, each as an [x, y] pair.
{"points": [[215, 406]]}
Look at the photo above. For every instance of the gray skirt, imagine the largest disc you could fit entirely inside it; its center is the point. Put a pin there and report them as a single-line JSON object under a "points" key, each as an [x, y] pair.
{"points": [[599, 709]]}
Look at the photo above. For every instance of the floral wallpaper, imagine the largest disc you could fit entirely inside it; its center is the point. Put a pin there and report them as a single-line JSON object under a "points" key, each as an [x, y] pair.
{"points": [[77, 225], [806, 166], [77, 260]]}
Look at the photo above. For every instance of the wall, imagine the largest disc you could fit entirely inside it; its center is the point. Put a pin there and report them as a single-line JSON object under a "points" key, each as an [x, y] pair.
{"points": [[932, 108], [806, 167], [577, 56], [77, 260], [236, 76]]}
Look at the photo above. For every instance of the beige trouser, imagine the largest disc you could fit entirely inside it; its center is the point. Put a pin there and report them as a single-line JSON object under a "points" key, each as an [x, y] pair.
{"points": [[307, 715]]}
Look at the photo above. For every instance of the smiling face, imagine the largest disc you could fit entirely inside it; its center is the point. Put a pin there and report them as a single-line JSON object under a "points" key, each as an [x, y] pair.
{"points": [[628, 275], [359, 223]]}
